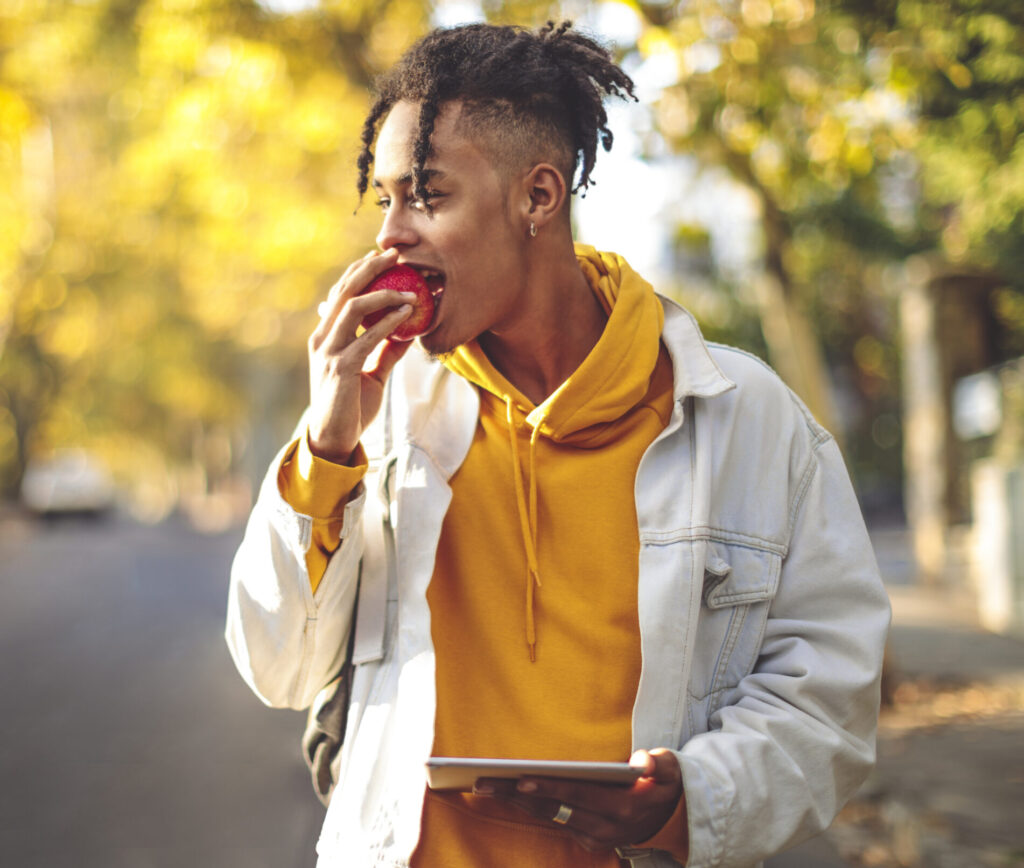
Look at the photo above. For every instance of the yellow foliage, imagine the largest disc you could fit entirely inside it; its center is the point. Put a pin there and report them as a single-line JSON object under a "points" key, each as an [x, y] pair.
{"points": [[15, 116], [319, 120], [757, 13], [769, 163], [75, 330], [825, 143], [744, 50], [403, 21], [170, 41], [657, 40], [676, 115], [793, 12], [194, 204], [858, 157], [260, 328]]}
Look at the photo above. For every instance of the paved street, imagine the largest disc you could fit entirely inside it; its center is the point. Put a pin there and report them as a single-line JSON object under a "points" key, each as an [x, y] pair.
{"points": [[126, 738]]}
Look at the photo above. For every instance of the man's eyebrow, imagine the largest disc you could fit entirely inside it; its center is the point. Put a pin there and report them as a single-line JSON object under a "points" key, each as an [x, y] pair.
{"points": [[406, 179]]}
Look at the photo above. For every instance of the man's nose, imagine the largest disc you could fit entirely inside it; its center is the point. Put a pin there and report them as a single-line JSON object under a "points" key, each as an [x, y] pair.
{"points": [[395, 231]]}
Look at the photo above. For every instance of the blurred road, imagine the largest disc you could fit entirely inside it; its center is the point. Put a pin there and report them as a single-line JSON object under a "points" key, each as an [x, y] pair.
{"points": [[127, 738]]}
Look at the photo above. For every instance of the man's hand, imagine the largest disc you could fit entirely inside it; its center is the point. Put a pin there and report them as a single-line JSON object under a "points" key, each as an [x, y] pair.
{"points": [[347, 373], [602, 816]]}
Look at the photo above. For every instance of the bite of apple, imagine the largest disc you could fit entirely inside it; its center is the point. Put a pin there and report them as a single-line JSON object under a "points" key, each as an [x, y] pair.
{"points": [[403, 278]]}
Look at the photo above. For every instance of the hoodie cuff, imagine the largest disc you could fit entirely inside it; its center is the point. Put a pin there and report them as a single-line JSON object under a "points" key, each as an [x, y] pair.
{"points": [[315, 486]]}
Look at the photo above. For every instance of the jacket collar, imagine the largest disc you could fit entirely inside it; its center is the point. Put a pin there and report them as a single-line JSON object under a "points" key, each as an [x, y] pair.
{"points": [[694, 372], [436, 412]]}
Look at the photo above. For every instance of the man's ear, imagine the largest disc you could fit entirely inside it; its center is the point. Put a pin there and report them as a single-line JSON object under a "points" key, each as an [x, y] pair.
{"points": [[545, 195]]}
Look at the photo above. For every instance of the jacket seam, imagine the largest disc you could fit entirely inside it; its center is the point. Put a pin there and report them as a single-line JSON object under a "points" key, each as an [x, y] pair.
{"points": [[736, 621], [308, 645], [714, 534], [804, 486]]}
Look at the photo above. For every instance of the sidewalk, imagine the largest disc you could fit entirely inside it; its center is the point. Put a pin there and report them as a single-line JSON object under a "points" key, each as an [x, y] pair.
{"points": [[936, 635], [948, 789]]}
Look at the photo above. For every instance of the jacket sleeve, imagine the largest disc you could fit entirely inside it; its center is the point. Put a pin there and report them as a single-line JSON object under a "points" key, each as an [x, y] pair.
{"points": [[797, 736], [286, 639]]}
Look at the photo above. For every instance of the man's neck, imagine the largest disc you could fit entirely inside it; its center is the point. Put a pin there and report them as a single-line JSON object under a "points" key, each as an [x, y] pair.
{"points": [[561, 325]]}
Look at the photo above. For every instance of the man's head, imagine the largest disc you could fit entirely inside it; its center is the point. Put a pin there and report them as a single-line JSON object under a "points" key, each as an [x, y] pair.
{"points": [[527, 97], [480, 131]]}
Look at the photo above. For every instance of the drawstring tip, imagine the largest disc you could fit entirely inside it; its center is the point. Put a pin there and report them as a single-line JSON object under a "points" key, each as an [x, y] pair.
{"points": [[533, 653]]}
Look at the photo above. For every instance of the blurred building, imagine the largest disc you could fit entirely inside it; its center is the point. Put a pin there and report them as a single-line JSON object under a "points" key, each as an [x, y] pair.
{"points": [[963, 411]]}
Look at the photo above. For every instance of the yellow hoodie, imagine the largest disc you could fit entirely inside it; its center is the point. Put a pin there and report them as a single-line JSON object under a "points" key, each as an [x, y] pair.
{"points": [[533, 599], [534, 596]]}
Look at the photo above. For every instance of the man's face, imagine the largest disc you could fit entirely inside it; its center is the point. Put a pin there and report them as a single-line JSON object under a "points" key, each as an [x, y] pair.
{"points": [[470, 245]]}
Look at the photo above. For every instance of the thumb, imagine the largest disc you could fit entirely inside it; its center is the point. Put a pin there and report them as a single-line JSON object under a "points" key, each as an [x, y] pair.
{"points": [[660, 764], [642, 759]]}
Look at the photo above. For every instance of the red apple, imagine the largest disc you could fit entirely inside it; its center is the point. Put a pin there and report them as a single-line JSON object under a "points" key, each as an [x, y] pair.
{"points": [[403, 278]]}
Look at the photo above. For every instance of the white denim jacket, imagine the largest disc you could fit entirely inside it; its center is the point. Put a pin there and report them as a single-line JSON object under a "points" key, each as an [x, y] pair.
{"points": [[762, 615]]}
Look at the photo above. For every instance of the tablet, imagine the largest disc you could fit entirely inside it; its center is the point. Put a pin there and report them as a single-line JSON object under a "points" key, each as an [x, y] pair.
{"points": [[459, 773]]}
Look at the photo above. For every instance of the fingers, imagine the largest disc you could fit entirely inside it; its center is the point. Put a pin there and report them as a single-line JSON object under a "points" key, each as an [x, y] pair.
{"points": [[354, 280], [335, 291], [602, 815], [661, 779], [593, 831], [339, 332], [359, 347]]}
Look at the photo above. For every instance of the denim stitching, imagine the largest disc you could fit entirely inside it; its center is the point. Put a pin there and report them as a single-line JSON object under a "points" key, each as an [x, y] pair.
{"points": [[714, 534]]}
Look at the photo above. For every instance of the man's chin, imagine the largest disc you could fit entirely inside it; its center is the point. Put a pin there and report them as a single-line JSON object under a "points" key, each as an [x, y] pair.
{"points": [[435, 346]]}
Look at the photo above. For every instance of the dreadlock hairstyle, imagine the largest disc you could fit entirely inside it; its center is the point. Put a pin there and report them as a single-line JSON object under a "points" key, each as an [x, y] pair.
{"points": [[522, 86]]}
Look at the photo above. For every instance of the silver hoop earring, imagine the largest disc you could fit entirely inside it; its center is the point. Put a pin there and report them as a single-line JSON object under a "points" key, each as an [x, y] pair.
{"points": [[533, 229]]}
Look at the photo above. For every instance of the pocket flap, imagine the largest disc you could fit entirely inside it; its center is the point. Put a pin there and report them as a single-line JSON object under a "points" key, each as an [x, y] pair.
{"points": [[737, 574]]}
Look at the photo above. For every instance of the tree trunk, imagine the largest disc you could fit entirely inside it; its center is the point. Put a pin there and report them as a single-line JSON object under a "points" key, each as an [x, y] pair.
{"points": [[795, 351], [925, 424]]}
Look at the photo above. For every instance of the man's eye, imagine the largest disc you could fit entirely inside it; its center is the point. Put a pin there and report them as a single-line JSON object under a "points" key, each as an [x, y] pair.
{"points": [[421, 204]]}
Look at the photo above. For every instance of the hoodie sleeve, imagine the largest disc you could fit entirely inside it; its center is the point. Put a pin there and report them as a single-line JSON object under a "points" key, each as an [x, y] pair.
{"points": [[320, 489]]}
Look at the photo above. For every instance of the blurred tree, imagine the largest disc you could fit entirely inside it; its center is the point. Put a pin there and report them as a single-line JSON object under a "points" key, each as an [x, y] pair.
{"points": [[960, 69], [176, 193], [958, 66]]}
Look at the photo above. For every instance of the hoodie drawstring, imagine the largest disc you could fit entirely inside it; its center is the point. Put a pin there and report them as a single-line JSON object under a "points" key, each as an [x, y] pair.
{"points": [[527, 522]]}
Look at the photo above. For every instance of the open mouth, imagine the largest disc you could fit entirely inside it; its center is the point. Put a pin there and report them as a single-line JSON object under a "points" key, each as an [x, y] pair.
{"points": [[435, 283], [434, 279]]}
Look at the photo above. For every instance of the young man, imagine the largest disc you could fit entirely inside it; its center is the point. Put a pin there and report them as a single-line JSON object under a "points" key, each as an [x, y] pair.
{"points": [[584, 532]]}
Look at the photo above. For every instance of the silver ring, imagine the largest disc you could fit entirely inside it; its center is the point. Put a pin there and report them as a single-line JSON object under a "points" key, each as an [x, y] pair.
{"points": [[563, 815]]}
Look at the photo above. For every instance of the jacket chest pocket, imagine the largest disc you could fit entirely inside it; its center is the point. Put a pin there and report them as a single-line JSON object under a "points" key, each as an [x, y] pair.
{"points": [[739, 585]]}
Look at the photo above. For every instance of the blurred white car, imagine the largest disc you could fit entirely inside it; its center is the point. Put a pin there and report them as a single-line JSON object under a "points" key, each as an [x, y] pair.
{"points": [[71, 481]]}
